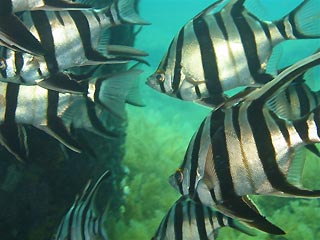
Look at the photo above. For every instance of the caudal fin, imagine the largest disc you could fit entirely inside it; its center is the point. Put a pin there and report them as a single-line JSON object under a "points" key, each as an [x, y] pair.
{"points": [[115, 90], [305, 19]]}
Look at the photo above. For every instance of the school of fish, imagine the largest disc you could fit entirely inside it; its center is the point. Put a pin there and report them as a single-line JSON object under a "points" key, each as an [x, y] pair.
{"points": [[251, 143]]}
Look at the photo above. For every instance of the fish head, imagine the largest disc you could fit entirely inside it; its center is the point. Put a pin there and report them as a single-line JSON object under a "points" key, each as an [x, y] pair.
{"points": [[161, 81], [179, 181]]}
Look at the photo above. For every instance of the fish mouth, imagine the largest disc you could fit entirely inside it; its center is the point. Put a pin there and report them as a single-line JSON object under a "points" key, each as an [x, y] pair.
{"points": [[151, 82]]}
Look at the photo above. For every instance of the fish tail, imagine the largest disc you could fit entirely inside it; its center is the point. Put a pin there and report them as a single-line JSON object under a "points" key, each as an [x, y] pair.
{"points": [[118, 89], [127, 12], [304, 20]]}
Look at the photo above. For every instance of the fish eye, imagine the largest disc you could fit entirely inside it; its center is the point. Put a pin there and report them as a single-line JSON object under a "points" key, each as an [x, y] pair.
{"points": [[179, 175], [160, 77], [3, 64]]}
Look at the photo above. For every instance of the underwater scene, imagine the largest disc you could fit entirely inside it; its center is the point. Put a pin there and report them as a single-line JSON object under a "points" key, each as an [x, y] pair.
{"points": [[159, 119]]}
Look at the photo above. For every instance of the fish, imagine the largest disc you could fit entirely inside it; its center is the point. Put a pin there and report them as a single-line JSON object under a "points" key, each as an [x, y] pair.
{"points": [[13, 32], [71, 39], [225, 47], [83, 221], [59, 114], [243, 148], [190, 220], [295, 102]]}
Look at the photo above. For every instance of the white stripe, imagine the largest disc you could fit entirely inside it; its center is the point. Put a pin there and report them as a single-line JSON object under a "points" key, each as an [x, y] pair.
{"points": [[238, 171]]}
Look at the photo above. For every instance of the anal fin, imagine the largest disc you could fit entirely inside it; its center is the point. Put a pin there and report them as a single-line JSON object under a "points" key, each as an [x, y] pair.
{"points": [[242, 208], [14, 138], [57, 129]]}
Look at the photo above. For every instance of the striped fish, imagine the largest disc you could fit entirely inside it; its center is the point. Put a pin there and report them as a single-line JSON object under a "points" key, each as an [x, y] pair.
{"points": [[83, 221], [225, 47], [58, 114], [191, 220], [244, 148], [70, 39], [14, 34], [295, 102]]}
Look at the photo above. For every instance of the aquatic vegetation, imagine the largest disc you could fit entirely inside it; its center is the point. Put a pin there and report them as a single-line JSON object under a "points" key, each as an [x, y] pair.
{"points": [[155, 146]]}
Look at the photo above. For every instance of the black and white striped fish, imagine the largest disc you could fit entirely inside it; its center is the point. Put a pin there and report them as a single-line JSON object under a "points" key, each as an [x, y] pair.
{"points": [[58, 114], [191, 220], [83, 221], [244, 148], [14, 34], [70, 39], [225, 47]]}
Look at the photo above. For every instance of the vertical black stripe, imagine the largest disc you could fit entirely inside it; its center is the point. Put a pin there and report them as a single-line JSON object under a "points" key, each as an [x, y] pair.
{"points": [[221, 155], [282, 127], [52, 108], [221, 25], [6, 7], [95, 120], [177, 66], [267, 154], [59, 17], [208, 59], [4, 52], [109, 15], [302, 128], [248, 41], [194, 159], [265, 28], [12, 94], [303, 100], [189, 209], [164, 63], [43, 26], [95, 14], [220, 217], [201, 226], [83, 27], [281, 28], [178, 221], [18, 61]]}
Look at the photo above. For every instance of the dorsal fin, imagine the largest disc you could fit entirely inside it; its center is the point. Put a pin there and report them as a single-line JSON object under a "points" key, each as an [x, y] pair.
{"points": [[280, 82], [216, 7]]}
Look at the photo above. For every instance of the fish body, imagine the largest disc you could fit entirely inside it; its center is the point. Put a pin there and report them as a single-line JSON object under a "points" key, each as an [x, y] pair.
{"points": [[59, 113], [225, 47], [70, 39], [14, 34], [244, 148], [191, 220], [83, 221]]}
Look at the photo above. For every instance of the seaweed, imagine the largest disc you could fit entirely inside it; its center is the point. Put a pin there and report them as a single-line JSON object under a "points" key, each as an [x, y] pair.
{"points": [[155, 145]]}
